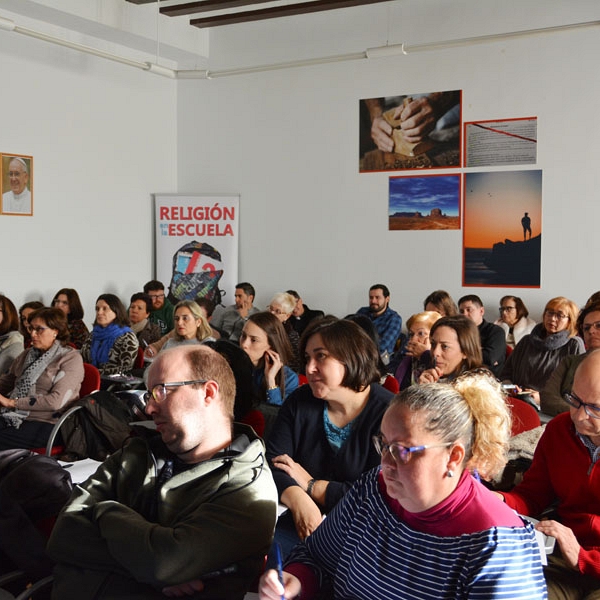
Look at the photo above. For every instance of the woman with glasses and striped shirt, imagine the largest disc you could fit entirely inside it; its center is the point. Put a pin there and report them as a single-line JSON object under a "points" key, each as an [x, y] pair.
{"points": [[421, 526]]}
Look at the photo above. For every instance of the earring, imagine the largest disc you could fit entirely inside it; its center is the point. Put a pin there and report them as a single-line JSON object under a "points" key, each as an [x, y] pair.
{"points": [[449, 473]]}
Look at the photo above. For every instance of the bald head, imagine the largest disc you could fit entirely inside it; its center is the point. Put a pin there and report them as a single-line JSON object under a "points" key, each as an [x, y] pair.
{"points": [[586, 388]]}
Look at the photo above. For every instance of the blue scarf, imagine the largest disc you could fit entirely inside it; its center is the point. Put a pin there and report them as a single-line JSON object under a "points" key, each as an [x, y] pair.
{"points": [[103, 339]]}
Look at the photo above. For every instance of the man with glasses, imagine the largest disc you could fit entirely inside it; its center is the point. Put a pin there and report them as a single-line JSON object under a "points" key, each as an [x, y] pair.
{"points": [[191, 508], [565, 473], [162, 309]]}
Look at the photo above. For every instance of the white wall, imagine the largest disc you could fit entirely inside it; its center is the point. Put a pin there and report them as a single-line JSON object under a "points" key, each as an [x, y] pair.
{"points": [[103, 138], [287, 142]]}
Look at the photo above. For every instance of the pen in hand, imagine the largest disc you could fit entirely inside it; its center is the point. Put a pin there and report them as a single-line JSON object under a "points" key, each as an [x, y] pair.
{"points": [[279, 565]]}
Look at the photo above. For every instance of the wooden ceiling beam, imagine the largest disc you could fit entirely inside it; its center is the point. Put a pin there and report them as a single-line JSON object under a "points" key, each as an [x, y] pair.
{"points": [[277, 11], [190, 8]]}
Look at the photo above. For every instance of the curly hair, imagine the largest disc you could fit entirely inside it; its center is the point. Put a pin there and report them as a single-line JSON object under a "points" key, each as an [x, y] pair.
{"points": [[472, 410]]}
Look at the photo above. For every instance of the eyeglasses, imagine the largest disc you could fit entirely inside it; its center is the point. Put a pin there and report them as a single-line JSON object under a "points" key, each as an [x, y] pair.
{"points": [[504, 309], [39, 330], [276, 311], [591, 410], [156, 296], [558, 315], [15, 173], [159, 392], [400, 453], [589, 326]]}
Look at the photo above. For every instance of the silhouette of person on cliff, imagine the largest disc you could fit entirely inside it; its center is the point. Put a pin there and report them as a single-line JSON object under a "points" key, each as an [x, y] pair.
{"points": [[526, 222]]}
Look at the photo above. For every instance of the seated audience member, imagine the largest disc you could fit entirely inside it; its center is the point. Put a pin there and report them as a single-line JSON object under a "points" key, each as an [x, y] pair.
{"points": [[208, 308], [67, 299], [11, 340], [282, 305], [246, 398], [514, 319], [563, 475], [493, 339], [455, 348], [194, 499], [387, 321], [321, 441], [264, 340], [302, 315], [407, 367], [190, 326], [538, 354], [385, 379], [420, 526], [42, 380], [441, 302], [561, 380], [230, 322], [162, 309], [24, 312], [140, 307], [111, 347]]}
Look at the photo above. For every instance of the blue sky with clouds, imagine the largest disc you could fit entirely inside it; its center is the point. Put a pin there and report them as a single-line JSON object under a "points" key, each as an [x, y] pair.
{"points": [[410, 194]]}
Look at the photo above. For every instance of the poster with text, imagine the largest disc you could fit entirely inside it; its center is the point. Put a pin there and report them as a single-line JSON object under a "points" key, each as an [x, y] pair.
{"points": [[424, 202], [410, 131], [501, 143], [502, 229], [196, 245]]}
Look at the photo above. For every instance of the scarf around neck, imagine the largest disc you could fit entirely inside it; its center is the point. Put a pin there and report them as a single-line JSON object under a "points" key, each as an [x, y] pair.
{"points": [[103, 339]]}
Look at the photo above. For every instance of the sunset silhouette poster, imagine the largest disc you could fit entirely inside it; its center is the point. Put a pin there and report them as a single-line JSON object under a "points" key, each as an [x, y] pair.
{"points": [[502, 228]]}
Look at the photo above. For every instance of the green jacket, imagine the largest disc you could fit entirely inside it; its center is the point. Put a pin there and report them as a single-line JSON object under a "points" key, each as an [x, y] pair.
{"points": [[117, 538]]}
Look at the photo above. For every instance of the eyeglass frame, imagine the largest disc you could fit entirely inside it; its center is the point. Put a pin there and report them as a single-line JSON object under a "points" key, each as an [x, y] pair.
{"points": [[407, 451], [552, 313], [569, 397], [151, 394], [589, 326], [503, 309]]}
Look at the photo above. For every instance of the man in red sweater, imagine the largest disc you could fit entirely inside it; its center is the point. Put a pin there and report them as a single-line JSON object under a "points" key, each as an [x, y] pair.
{"points": [[565, 469]]}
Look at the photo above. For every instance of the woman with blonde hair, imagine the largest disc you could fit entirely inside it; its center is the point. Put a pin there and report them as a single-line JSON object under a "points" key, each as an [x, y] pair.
{"points": [[538, 354], [435, 531]]}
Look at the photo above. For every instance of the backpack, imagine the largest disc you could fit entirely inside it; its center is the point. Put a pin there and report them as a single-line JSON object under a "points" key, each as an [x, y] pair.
{"points": [[98, 429], [195, 274], [33, 490]]}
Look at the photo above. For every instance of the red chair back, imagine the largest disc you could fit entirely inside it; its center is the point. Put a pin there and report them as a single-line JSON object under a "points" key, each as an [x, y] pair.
{"points": [[139, 359], [524, 416], [256, 420], [302, 379], [91, 380]]}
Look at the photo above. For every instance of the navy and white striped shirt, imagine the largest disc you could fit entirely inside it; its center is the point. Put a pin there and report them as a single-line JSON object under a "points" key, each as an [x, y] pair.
{"points": [[370, 554]]}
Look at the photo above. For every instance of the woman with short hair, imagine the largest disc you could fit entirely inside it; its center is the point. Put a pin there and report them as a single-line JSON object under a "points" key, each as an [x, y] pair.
{"points": [[321, 441], [111, 346], [41, 381], [514, 319], [282, 306], [407, 367], [421, 526], [140, 307], [67, 299]]}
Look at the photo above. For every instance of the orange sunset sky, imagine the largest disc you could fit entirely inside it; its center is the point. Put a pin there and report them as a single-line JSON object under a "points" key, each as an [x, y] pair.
{"points": [[495, 203]]}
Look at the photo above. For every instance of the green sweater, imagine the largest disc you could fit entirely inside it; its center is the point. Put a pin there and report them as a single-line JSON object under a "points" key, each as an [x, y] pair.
{"points": [[117, 538], [163, 317]]}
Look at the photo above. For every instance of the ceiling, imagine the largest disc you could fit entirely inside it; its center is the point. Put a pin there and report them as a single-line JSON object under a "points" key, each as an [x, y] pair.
{"points": [[216, 13]]}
